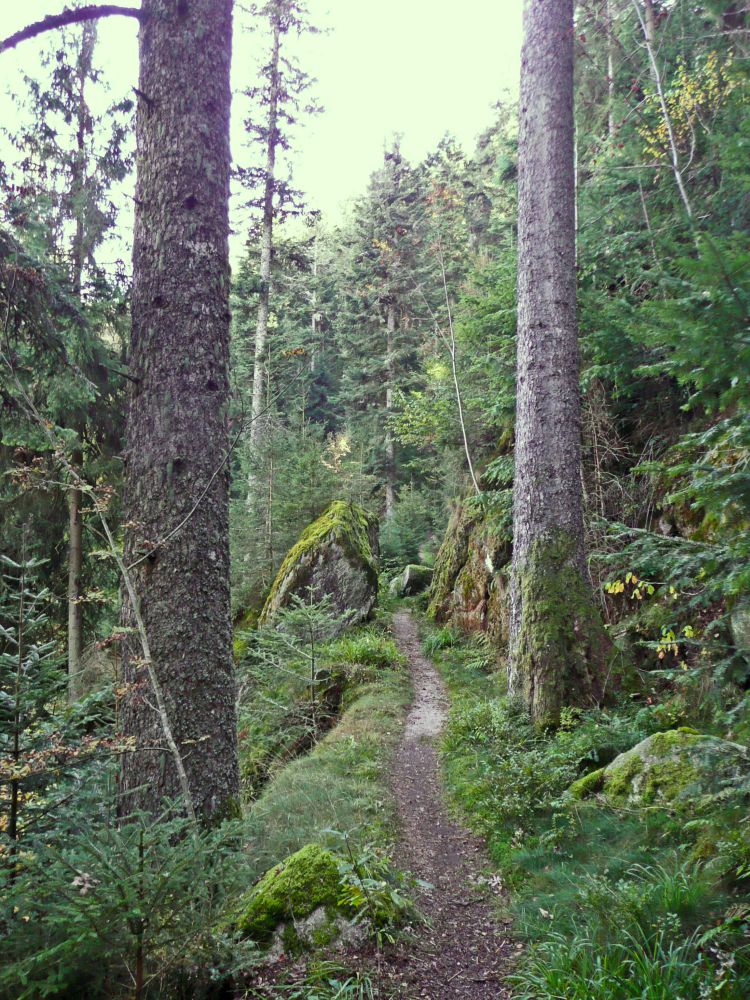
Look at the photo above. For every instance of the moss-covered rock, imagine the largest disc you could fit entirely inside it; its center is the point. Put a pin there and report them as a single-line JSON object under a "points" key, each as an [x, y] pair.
{"points": [[679, 768], [336, 556], [290, 892], [470, 583], [413, 580]]}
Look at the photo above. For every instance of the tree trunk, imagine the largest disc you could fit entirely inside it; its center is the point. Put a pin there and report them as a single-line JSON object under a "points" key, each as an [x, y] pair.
{"points": [[177, 434], [266, 244], [649, 20], [390, 445], [75, 496], [610, 69], [557, 640], [75, 569]]}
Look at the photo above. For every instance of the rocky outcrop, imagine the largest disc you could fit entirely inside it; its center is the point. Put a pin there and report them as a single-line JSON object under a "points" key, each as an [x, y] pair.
{"points": [[335, 557], [413, 580], [470, 584], [679, 768]]}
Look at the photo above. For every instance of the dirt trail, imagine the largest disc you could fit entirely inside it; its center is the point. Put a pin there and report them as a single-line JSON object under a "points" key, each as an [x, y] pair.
{"points": [[463, 952]]}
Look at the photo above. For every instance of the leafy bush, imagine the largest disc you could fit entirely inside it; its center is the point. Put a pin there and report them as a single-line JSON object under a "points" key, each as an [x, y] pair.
{"points": [[508, 776]]}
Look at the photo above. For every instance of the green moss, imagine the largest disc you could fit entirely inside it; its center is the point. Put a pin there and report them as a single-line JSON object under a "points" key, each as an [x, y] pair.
{"points": [[675, 767], [291, 891], [348, 524], [621, 774], [661, 744], [589, 784], [563, 653], [668, 781], [450, 559]]}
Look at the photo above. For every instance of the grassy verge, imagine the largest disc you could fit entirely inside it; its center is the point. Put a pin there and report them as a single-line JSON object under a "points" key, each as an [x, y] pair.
{"points": [[339, 789], [613, 904]]}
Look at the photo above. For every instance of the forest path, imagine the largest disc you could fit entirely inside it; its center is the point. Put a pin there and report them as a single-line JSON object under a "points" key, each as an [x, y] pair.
{"points": [[462, 952]]}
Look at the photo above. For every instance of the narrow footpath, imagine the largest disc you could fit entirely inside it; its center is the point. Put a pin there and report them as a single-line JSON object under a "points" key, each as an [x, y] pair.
{"points": [[462, 952]]}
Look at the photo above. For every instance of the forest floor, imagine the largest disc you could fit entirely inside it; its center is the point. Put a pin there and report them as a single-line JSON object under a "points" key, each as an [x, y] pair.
{"points": [[461, 951]]}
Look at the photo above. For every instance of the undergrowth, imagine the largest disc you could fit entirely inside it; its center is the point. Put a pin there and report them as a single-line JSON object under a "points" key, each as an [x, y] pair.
{"points": [[325, 980], [295, 683], [340, 786], [616, 904]]}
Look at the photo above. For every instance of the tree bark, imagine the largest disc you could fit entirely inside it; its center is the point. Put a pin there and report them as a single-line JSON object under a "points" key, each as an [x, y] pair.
{"points": [[610, 70], [75, 496], [177, 433], [557, 640], [75, 570], [390, 445], [266, 243]]}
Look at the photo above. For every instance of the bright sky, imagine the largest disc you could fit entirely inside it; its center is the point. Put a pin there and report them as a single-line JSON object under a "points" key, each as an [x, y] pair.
{"points": [[417, 67]]}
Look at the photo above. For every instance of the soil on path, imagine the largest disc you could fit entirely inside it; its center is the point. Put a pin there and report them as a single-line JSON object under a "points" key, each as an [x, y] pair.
{"points": [[462, 952]]}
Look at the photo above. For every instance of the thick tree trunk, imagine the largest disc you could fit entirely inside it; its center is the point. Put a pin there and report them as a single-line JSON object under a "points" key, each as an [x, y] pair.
{"points": [[390, 445], [557, 640], [75, 495], [266, 245], [177, 416]]}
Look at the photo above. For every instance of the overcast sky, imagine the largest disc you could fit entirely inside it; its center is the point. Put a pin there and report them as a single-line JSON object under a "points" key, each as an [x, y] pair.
{"points": [[416, 67]]}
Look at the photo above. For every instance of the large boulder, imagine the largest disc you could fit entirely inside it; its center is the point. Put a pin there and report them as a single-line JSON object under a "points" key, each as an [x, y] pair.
{"points": [[335, 557], [470, 583], [678, 769], [413, 580]]}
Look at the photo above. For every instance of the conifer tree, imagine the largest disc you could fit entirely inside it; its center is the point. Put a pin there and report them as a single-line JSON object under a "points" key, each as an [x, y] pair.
{"points": [[384, 312], [278, 102], [557, 643], [69, 162], [179, 707]]}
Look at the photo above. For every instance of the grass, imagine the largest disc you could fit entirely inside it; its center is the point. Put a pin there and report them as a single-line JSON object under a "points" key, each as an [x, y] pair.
{"points": [[325, 980], [611, 904], [340, 787], [275, 719]]}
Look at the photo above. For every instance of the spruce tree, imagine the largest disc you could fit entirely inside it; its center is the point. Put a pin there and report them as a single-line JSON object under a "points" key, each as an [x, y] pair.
{"points": [[557, 642], [179, 707], [277, 104], [384, 314]]}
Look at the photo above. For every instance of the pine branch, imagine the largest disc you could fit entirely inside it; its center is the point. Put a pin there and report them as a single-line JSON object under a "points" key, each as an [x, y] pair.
{"points": [[54, 21]]}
